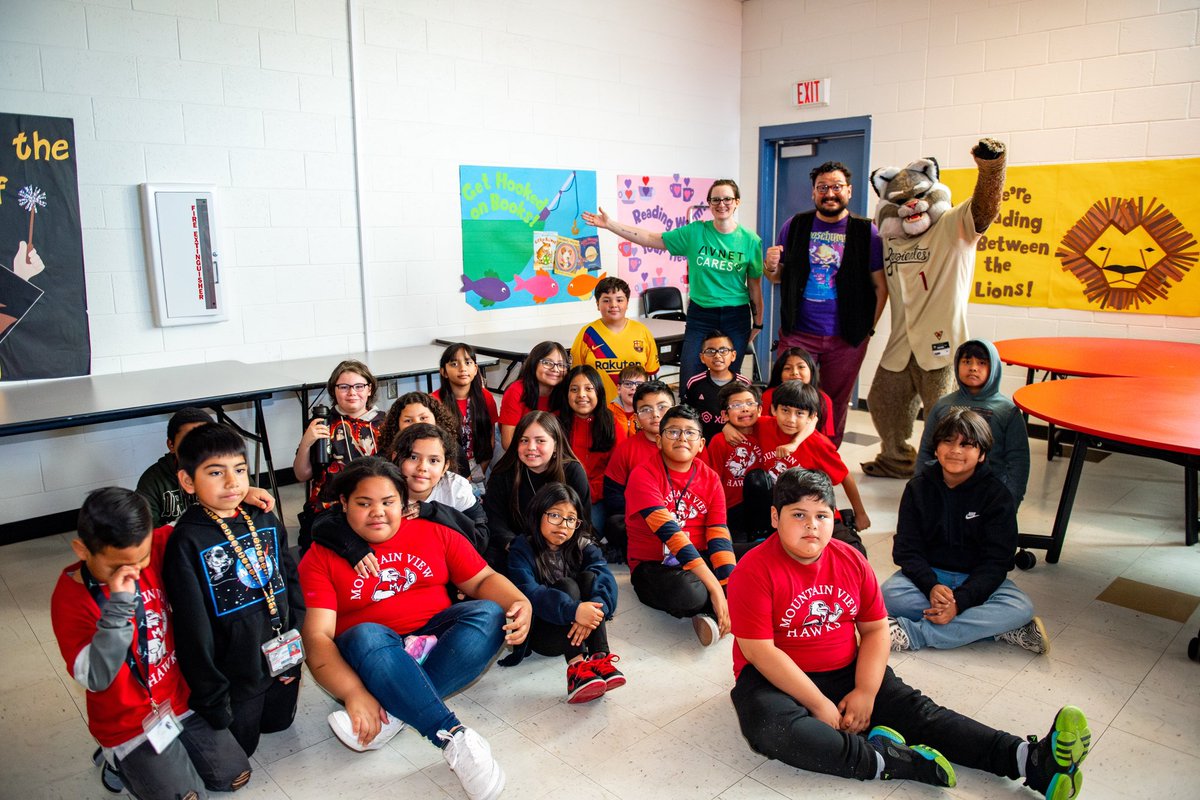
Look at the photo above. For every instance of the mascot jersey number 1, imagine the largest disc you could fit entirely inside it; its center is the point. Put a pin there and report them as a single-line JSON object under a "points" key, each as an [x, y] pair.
{"points": [[929, 259]]}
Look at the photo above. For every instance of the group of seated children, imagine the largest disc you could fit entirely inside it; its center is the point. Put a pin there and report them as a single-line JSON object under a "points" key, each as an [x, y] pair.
{"points": [[190, 640]]}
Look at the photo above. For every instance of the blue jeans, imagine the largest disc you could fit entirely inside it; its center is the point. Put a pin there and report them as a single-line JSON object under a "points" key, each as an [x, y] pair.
{"points": [[599, 519], [469, 634], [733, 320], [1006, 609]]}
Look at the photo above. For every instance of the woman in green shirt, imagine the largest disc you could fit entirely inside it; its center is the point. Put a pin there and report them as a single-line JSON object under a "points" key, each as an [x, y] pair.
{"points": [[724, 266]]}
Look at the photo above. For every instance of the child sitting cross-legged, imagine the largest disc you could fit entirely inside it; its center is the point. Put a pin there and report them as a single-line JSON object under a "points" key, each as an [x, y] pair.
{"points": [[564, 574], [956, 536], [110, 617], [810, 694]]}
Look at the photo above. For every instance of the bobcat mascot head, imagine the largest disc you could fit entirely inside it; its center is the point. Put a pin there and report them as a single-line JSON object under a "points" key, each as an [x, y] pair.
{"points": [[911, 199]]}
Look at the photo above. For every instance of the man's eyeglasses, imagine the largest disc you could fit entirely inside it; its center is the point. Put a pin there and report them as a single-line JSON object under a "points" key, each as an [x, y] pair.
{"points": [[558, 519], [553, 366], [716, 351], [826, 188], [687, 434], [716, 201], [351, 387]]}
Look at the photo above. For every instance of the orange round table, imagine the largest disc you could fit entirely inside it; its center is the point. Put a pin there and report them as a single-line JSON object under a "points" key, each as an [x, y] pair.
{"points": [[1087, 356], [1156, 417]]}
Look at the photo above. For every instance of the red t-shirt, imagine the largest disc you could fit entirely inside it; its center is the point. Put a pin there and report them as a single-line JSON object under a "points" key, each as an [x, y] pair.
{"points": [[414, 567], [702, 505], [815, 452], [115, 714], [464, 413], [594, 464], [731, 463], [512, 408], [826, 410], [809, 610], [627, 455]]}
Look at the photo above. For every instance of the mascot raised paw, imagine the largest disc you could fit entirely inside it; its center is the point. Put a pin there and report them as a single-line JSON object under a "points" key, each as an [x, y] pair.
{"points": [[929, 259]]}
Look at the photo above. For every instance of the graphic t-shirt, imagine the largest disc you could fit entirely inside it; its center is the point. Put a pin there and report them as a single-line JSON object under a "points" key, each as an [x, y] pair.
{"points": [[512, 407], [809, 610], [349, 438], [694, 499], [611, 352], [115, 714], [718, 263], [731, 463], [414, 567], [815, 452]]}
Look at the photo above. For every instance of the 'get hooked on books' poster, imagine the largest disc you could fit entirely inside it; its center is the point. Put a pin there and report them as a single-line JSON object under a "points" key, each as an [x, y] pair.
{"points": [[524, 239]]}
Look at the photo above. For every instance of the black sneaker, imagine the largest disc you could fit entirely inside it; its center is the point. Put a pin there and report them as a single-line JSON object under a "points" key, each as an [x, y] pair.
{"points": [[1052, 767], [109, 777], [917, 762]]}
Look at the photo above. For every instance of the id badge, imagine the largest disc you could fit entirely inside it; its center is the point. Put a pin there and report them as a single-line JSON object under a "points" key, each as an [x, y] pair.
{"points": [[162, 727], [284, 652]]}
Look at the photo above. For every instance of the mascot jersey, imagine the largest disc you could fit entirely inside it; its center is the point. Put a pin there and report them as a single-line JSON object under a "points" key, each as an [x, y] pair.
{"points": [[928, 279]]}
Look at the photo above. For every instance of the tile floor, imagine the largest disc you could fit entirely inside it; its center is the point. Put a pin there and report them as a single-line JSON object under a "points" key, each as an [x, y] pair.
{"points": [[671, 731]]}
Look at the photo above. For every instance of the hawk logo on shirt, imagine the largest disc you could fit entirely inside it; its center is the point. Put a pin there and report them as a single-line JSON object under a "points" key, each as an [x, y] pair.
{"points": [[820, 614], [156, 636], [392, 583], [740, 460]]}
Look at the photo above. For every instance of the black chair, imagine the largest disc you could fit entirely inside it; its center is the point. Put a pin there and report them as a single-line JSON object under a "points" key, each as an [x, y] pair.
{"points": [[665, 302]]}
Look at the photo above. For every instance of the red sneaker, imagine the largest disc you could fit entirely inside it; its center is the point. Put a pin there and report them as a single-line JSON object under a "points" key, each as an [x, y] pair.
{"points": [[602, 663], [583, 684]]}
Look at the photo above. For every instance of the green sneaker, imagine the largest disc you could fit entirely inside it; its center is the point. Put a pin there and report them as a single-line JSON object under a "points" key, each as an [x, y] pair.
{"points": [[902, 762], [1052, 767]]}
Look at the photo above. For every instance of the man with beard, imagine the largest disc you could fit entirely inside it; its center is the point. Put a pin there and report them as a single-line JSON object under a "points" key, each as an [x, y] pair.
{"points": [[829, 263]]}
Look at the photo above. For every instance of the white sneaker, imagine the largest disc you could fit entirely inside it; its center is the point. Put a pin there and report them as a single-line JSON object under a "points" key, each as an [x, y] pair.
{"points": [[470, 758], [343, 729], [706, 629]]}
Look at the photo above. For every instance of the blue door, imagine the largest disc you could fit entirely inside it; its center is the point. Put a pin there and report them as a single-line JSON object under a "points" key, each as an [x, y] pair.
{"points": [[787, 154]]}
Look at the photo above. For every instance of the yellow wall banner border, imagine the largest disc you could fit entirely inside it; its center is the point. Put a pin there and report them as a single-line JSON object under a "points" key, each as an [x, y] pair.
{"points": [[1115, 236]]}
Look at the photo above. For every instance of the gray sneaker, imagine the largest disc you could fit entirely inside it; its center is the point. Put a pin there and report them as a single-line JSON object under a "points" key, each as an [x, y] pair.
{"points": [[470, 758], [1031, 636], [900, 640]]}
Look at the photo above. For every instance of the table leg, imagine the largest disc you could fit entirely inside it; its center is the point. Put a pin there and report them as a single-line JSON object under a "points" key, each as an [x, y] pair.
{"points": [[1071, 485], [1190, 510], [260, 426]]}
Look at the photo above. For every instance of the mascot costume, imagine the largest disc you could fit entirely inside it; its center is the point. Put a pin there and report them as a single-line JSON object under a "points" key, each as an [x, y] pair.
{"points": [[929, 260]]}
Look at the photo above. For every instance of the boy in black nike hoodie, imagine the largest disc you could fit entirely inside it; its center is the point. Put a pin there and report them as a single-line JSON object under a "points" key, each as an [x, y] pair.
{"points": [[955, 540]]}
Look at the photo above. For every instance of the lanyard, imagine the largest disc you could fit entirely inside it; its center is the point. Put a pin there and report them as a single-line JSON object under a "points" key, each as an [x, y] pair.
{"points": [[679, 504], [261, 571], [139, 649]]}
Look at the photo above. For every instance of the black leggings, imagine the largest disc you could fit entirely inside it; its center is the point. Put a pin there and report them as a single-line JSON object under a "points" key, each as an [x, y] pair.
{"points": [[778, 727], [549, 639]]}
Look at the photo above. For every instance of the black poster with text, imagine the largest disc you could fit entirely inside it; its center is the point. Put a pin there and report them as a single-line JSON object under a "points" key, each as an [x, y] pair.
{"points": [[43, 302]]}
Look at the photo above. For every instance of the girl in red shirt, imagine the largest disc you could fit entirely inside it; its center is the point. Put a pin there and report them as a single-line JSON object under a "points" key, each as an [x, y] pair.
{"points": [[544, 369], [462, 383], [591, 429]]}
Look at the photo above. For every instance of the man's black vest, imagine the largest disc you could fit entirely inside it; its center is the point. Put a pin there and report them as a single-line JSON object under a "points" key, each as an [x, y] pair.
{"points": [[855, 290]]}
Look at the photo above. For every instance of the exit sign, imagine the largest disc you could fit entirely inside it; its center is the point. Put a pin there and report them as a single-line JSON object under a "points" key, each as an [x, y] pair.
{"points": [[806, 94]]}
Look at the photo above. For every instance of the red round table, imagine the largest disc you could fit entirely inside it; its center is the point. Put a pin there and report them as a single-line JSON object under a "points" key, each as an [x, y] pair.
{"points": [[1087, 356], [1155, 417]]}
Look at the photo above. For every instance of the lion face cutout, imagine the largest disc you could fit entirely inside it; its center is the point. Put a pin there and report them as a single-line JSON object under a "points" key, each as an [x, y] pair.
{"points": [[911, 199], [1126, 252]]}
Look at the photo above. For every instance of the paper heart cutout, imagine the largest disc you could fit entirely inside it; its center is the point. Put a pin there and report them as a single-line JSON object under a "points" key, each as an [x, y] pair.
{"points": [[645, 275], [645, 180], [687, 181], [658, 271], [628, 183], [675, 177], [629, 192]]}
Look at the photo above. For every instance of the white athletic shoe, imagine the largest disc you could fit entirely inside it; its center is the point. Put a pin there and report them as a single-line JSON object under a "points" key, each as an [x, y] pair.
{"points": [[470, 758], [706, 629], [344, 730]]}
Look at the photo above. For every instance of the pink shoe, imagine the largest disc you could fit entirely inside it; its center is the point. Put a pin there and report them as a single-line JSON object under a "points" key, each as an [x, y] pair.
{"points": [[419, 647]]}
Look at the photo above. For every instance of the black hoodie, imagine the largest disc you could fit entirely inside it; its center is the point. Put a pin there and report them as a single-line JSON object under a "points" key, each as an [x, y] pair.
{"points": [[971, 529]]}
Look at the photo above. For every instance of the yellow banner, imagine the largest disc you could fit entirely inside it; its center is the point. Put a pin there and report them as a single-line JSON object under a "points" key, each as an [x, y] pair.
{"points": [[1118, 236]]}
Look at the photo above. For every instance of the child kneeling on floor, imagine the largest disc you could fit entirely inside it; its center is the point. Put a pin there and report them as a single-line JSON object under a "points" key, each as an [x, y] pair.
{"points": [[809, 694], [110, 617], [564, 574], [956, 538]]}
